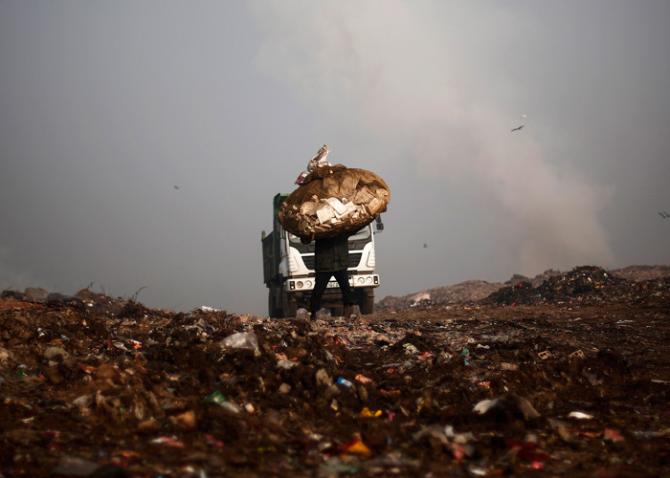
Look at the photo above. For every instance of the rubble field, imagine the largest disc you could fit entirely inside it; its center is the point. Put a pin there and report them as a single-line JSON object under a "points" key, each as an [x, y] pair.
{"points": [[570, 378]]}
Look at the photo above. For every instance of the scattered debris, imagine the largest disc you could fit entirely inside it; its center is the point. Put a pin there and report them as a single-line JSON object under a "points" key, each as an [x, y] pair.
{"points": [[91, 384]]}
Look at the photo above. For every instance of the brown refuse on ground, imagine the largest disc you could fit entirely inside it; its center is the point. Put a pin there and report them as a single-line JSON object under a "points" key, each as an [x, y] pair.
{"points": [[155, 393]]}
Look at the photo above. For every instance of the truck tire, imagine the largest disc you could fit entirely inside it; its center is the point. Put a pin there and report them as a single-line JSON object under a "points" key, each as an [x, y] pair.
{"points": [[367, 304], [289, 306], [273, 311]]}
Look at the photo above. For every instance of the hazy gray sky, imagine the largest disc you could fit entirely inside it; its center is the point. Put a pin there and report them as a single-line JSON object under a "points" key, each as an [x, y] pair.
{"points": [[106, 105]]}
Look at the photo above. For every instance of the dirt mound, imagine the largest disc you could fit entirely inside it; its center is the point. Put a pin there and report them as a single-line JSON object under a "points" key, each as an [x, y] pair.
{"points": [[468, 291]]}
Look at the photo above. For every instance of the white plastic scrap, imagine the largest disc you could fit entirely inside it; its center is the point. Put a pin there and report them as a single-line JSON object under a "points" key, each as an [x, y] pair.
{"points": [[484, 406], [206, 308], [580, 415], [460, 438], [286, 364], [242, 340], [477, 470]]}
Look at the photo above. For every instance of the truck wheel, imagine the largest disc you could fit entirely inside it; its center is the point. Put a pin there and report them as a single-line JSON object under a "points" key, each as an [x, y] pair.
{"points": [[289, 306], [367, 305], [273, 311]]}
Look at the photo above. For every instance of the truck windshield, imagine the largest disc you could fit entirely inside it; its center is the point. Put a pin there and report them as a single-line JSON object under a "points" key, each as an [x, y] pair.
{"points": [[360, 234]]}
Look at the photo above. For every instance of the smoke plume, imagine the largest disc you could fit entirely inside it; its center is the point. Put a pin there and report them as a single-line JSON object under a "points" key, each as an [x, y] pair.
{"points": [[429, 80]]}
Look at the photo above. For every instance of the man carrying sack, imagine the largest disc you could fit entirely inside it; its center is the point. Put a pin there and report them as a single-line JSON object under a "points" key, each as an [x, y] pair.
{"points": [[331, 260], [331, 203]]}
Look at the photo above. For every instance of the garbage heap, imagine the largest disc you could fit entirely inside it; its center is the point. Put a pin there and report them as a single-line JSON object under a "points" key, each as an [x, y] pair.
{"points": [[94, 386], [586, 285], [333, 200]]}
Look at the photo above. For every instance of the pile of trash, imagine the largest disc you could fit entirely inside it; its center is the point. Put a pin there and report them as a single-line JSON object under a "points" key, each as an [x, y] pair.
{"points": [[94, 386], [333, 199], [588, 285]]}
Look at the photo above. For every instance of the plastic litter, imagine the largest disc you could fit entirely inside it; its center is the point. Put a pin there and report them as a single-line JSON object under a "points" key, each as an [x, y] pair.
{"points": [[356, 447], [286, 364], [484, 406], [366, 412], [360, 378], [465, 355], [242, 340], [580, 415], [169, 441], [207, 309], [509, 406], [219, 399]]}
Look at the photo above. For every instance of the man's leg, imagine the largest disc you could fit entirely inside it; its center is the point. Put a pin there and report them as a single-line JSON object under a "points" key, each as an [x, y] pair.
{"points": [[342, 278], [320, 283]]}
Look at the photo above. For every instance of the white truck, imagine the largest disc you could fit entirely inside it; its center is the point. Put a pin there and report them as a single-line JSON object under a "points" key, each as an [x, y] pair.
{"points": [[288, 269]]}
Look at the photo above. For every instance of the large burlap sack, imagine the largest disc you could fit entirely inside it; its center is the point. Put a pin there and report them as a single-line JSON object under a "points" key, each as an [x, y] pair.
{"points": [[334, 200]]}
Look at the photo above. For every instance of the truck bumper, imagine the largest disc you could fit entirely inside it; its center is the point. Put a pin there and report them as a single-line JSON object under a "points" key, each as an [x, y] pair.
{"points": [[355, 281]]}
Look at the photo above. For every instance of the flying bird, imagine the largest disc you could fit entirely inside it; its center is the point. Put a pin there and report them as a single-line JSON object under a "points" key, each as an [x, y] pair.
{"points": [[425, 246], [518, 128], [664, 215], [176, 187]]}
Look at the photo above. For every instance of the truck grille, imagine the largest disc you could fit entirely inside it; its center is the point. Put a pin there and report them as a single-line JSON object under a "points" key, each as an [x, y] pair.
{"points": [[354, 260]]}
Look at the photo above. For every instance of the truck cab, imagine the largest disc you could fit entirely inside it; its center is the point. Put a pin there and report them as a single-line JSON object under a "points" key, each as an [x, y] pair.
{"points": [[288, 270]]}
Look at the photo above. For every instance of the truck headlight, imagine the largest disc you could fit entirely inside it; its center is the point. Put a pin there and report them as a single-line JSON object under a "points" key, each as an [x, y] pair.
{"points": [[308, 283], [368, 280], [299, 284], [361, 280]]}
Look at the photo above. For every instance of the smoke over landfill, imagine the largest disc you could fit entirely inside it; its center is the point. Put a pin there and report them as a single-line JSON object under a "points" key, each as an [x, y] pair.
{"points": [[396, 73]]}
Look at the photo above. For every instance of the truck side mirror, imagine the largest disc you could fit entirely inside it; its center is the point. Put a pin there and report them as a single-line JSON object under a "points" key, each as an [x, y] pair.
{"points": [[379, 224]]}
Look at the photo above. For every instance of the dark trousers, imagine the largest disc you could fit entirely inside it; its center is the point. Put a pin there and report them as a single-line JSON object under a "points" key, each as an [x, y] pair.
{"points": [[321, 283]]}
